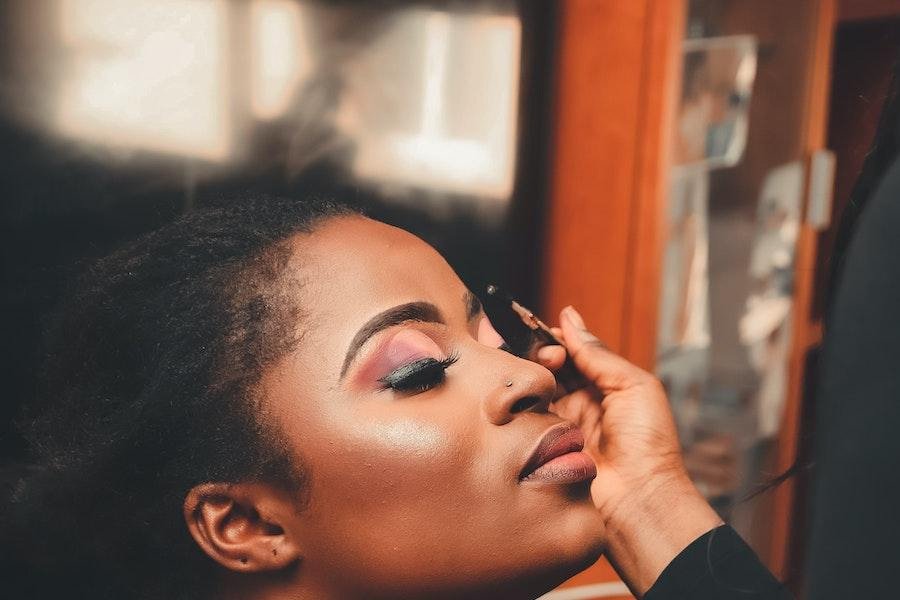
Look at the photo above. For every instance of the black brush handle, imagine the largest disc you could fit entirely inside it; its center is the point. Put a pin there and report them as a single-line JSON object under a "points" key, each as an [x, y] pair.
{"points": [[568, 375], [524, 341]]}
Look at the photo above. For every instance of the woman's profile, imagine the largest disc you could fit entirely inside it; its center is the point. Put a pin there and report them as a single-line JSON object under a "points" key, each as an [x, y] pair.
{"points": [[287, 399]]}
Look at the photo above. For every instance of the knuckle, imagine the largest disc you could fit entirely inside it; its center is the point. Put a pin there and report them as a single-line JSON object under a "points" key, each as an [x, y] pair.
{"points": [[588, 348], [595, 343], [647, 380], [654, 383]]}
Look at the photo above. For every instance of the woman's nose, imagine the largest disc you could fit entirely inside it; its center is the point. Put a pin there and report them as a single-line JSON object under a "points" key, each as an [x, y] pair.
{"points": [[523, 386]]}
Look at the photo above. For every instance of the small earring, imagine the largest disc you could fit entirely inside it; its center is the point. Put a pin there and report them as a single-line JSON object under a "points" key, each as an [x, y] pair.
{"points": [[509, 384]]}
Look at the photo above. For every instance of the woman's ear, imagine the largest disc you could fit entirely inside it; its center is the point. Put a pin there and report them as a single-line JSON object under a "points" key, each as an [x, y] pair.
{"points": [[245, 527]]}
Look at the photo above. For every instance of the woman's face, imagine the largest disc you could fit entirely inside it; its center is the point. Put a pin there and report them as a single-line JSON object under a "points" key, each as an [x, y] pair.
{"points": [[398, 402]]}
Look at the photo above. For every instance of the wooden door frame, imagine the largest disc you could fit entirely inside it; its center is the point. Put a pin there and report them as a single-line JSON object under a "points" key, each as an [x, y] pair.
{"points": [[618, 77], [609, 177], [619, 71]]}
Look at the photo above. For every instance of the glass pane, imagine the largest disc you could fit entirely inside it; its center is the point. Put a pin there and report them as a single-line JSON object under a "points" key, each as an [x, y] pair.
{"points": [[734, 214]]}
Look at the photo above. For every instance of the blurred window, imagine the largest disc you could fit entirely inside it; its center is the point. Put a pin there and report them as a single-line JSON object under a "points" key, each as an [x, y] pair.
{"points": [[433, 103], [147, 74]]}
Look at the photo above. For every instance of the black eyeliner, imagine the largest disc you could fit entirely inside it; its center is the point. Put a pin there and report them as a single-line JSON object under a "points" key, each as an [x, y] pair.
{"points": [[418, 375]]}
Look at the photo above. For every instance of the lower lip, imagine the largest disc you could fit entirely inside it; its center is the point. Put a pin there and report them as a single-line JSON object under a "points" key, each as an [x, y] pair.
{"points": [[571, 467]]}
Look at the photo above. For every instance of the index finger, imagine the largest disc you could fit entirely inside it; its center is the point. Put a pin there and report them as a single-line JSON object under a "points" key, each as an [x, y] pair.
{"points": [[607, 370], [551, 357]]}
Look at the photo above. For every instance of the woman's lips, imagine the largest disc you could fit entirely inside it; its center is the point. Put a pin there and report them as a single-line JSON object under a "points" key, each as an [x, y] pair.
{"points": [[558, 458]]}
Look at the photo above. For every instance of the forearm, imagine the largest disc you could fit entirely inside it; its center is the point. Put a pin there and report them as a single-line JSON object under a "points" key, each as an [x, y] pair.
{"points": [[649, 527]]}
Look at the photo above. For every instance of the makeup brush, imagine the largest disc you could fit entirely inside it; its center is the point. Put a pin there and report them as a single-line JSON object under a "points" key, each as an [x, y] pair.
{"points": [[525, 333]]}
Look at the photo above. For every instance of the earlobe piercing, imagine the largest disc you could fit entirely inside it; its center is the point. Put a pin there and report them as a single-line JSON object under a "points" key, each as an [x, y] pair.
{"points": [[509, 384]]}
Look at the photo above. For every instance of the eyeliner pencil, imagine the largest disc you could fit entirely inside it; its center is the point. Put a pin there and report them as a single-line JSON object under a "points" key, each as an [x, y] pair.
{"points": [[526, 333]]}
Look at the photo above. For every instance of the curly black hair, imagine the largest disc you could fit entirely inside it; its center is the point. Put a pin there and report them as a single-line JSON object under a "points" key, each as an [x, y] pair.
{"points": [[149, 390]]}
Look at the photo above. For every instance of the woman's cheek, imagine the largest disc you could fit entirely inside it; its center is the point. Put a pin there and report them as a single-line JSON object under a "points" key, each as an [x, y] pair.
{"points": [[405, 441], [405, 453]]}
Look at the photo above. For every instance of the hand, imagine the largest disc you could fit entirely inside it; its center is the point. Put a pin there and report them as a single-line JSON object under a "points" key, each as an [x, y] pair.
{"points": [[624, 415], [650, 508]]}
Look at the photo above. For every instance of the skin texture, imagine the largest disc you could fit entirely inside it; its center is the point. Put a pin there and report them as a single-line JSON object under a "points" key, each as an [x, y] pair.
{"points": [[410, 495], [417, 494]]}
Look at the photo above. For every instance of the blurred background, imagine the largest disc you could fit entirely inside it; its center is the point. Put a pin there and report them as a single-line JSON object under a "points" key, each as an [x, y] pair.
{"points": [[674, 168]]}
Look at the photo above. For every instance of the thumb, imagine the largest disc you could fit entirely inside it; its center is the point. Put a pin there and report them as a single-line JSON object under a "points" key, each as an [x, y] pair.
{"points": [[607, 370]]}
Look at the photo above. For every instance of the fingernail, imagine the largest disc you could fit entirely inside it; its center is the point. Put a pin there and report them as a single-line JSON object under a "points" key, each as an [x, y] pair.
{"points": [[574, 317]]}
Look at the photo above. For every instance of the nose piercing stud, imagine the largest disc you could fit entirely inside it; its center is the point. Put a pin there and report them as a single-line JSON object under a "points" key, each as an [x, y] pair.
{"points": [[509, 384]]}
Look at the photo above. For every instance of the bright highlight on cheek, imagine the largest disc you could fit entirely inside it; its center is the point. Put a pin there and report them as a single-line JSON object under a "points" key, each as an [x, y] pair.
{"points": [[401, 348], [412, 438]]}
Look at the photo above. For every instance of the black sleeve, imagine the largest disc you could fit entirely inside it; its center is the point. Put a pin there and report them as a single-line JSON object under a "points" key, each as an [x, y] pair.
{"points": [[718, 565], [853, 550]]}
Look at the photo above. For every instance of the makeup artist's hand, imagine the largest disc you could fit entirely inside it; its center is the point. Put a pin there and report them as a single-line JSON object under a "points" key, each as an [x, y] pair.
{"points": [[651, 509]]}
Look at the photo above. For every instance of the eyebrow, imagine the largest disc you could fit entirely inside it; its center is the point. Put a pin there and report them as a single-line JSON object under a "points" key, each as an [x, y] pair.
{"points": [[473, 305], [423, 312]]}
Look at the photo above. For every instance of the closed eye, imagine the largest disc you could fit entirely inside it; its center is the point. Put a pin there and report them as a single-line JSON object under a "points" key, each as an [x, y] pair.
{"points": [[418, 376]]}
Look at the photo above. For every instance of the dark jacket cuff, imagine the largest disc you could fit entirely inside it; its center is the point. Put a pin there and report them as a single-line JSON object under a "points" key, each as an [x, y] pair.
{"points": [[718, 564]]}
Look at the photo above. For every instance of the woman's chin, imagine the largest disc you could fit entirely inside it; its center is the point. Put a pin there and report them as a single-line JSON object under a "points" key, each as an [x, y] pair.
{"points": [[586, 541], [573, 545], [549, 575]]}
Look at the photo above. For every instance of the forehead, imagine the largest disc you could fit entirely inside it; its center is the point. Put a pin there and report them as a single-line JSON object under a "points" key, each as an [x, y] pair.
{"points": [[357, 254], [353, 268]]}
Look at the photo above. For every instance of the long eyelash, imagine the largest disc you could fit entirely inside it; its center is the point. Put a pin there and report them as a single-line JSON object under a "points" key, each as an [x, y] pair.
{"points": [[418, 376]]}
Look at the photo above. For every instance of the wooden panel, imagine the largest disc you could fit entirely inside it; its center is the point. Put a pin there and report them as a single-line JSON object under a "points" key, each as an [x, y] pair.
{"points": [[591, 193], [618, 73], [602, 571], [786, 525], [856, 10], [617, 79]]}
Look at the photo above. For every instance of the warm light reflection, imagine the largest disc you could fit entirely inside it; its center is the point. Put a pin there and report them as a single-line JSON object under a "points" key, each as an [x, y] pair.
{"points": [[146, 74], [281, 58], [429, 101], [464, 92]]}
